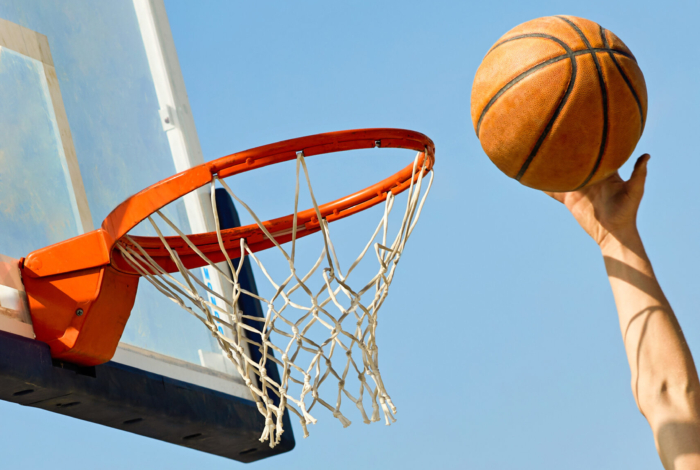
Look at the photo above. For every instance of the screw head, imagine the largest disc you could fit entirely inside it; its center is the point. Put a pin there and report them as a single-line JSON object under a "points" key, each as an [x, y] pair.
{"points": [[79, 312]]}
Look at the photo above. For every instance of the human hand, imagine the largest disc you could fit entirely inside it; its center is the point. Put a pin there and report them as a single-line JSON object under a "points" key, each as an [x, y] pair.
{"points": [[608, 208]]}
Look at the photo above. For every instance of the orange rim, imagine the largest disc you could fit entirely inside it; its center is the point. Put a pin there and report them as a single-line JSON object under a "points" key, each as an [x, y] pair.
{"points": [[138, 207]]}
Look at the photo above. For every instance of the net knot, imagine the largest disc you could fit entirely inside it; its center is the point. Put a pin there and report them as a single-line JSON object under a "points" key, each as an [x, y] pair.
{"points": [[269, 430], [308, 418], [343, 420]]}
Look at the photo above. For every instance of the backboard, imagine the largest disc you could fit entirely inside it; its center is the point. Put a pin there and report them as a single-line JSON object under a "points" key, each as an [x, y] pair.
{"points": [[92, 110]]}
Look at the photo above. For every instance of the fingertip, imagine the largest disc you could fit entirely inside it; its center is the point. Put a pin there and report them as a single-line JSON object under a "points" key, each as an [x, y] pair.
{"points": [[642, 160], [639, 174]]}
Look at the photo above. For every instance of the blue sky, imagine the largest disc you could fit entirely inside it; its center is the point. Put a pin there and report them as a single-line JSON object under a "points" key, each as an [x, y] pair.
{"points": [[500, 341], [499, 344]]}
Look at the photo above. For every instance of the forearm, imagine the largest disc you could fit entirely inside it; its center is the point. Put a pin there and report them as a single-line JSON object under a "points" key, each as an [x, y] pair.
{"points": [[664, 379]]}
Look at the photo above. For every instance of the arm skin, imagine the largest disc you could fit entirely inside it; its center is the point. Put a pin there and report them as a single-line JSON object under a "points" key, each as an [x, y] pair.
{"points": [[664, 379]]}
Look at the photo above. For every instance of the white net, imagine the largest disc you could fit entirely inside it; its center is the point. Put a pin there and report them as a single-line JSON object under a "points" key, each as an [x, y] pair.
{"points": [[325, 341]]}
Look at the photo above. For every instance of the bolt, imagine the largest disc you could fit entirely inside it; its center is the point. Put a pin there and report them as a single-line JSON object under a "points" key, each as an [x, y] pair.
{"points": [[79, 312]]}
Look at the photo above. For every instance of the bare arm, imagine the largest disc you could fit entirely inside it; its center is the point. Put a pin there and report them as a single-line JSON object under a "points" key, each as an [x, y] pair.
{"points": [[664, 379]]}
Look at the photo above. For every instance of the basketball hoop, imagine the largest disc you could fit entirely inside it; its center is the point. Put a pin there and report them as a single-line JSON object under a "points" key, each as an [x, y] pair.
{"points": [[97, 273]]}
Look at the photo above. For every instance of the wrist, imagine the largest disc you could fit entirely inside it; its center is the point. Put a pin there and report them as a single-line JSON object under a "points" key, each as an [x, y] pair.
{"points": [[626, 259], [628, 238]]}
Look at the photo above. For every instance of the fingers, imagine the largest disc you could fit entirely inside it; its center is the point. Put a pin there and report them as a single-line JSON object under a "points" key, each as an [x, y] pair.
{"points": [[640, 168], [639, 175], [635, 184]]}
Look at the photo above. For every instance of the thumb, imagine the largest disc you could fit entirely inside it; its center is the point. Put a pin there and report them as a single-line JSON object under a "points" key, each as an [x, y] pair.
{"points": [[639, 174]]}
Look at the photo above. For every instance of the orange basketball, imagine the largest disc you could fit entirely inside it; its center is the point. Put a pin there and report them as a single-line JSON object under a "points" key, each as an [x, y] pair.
{"points": [[559, 103]]}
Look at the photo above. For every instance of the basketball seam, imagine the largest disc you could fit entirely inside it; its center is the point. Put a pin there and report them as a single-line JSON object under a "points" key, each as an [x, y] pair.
{"points": [[556, 113], [537, 67], [577, 52], [625, 78], [531, 35], [604, 93], [569, 54], [513, 82], [550, 124]]}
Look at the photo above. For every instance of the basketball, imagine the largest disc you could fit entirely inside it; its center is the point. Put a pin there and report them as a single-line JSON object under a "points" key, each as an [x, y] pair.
{"points": [[559, 103]]}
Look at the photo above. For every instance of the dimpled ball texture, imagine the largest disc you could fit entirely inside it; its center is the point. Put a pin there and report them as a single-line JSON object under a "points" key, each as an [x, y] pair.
{"points": [[559, 103]]}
